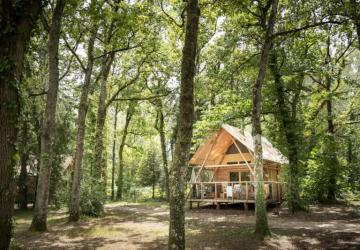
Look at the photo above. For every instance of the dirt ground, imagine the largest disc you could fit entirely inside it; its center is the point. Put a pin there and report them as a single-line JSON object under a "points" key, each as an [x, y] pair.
{"points": [[145, 226]]}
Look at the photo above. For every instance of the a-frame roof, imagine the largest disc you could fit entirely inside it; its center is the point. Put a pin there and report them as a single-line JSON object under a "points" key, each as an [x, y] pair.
{"points": [[215, 148]]}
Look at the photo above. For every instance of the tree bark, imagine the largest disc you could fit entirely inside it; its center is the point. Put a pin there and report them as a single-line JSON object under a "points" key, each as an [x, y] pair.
{"points": [[184, 129], [261, 226], [113, 156], [74, 207], [160, 127], [24, 156], [98, 171], [288, 121], [120, 183], [17, 21], [42, 197]]}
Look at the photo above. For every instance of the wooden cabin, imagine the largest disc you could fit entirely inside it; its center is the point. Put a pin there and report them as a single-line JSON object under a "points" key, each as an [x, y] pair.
{"points": [[222, 169]]}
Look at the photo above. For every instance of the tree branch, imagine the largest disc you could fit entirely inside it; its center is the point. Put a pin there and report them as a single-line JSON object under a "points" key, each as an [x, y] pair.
{"points": [[73, 51], [142, 98], [119, 50], [170, 17], [308, 26], [67, 69]]}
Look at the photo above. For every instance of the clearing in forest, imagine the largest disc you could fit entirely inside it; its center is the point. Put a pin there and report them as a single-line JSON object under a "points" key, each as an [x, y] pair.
{"points": [[145, 226]]}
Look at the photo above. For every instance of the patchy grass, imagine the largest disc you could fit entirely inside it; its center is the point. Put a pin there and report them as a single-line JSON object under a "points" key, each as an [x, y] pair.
{"points": [[128, 225]]}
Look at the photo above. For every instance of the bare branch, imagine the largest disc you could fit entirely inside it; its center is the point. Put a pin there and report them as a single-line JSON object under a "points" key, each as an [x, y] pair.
{"points": [[118, 50], [305, 27], [170, 17], [73, 51], [67, 69], [142, 98], [345, 50]]}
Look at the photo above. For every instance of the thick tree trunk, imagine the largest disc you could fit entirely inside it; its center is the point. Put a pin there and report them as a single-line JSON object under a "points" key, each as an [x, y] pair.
{"points": [[184, 129], [17, 20], [261, 226], [113, 156], [355, 16], [160, 127], [120, 183], [74, 207], [288, 121], [40, 213]]}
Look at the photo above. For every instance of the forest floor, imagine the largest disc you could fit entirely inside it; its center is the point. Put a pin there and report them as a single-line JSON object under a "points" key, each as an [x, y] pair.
{"points": [[145, 226]]}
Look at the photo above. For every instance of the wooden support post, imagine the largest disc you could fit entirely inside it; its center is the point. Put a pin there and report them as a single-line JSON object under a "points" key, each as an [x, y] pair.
{"points": [[202, 191], [247, 191], [215, 191], [242, 156], [206, 157], [278, 192], [246, 206], [190, 205], [217, 205], [232, 191], [198, 204]]}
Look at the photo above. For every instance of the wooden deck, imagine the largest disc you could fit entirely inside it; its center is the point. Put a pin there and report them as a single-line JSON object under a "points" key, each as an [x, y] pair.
{"points": [[233, 192]]}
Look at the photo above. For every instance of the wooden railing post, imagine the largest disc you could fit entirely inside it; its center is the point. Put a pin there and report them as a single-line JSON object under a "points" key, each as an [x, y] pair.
{"points": [[232, 191], [215, 191], [246, 192]]}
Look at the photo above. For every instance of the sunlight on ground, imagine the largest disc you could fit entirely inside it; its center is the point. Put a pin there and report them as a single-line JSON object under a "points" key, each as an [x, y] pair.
{"points": [[130, 225]]}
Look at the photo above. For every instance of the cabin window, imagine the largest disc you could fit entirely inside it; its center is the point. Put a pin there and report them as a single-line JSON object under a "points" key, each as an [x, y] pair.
{"points": [[232, 162], [234, 176], [243, 162], [233, 149], [245, 176]]}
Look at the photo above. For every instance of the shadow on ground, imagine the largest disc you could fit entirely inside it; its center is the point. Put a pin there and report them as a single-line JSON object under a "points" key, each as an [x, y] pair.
{"points": [[138, 226]]}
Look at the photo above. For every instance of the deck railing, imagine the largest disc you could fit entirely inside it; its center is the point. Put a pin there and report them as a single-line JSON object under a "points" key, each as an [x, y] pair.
{"points": [[243, 191]]}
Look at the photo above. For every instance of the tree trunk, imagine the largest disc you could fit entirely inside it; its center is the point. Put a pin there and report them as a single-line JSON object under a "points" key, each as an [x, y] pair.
{"points": [[288, 121], [120, 183], [184, 129], [40, 213], [74, 208], [98, 171], [113, 156], [355, 16], [333, 162], [17, 20], [261, 226], [153, 190], [24, 156], [160, 127]]}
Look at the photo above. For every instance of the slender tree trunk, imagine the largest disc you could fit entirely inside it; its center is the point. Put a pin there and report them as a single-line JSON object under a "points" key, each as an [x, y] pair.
{"points": [[99, 164], [113, 156], [101, 117], [333, 163], [288, 120], [42, 197], [261, 226], [160, 127], [24, 156], [184, 129], [16, 24], [74, 208], [120, 183]]}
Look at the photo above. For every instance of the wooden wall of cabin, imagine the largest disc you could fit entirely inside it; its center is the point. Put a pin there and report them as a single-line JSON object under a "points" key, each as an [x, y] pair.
{"points": [[271, 173]]}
